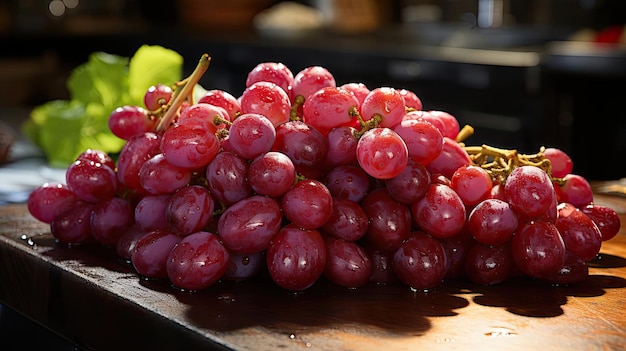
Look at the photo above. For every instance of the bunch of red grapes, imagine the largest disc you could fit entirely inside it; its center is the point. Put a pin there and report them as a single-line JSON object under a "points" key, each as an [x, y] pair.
{"points": [[300, 178]]}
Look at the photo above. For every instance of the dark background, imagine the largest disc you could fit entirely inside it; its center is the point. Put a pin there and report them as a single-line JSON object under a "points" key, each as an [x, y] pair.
{"points": [[570, 98]]}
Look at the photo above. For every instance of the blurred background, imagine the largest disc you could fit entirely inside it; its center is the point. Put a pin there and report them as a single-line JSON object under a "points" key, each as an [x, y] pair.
{"points": [[524, 73]]}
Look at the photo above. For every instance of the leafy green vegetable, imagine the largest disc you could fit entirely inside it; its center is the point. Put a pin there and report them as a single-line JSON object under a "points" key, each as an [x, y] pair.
{"points": [[65, 128]]}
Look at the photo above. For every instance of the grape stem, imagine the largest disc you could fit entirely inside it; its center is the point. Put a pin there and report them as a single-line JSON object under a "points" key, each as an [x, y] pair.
{"points": [[187, 91], [374, 122], [499, 163]]}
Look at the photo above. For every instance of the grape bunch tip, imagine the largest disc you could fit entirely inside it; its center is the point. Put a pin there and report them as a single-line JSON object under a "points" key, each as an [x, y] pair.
{"points": [[301, 178]]}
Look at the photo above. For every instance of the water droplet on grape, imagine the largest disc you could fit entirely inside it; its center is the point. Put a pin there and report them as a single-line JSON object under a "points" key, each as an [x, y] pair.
{"points": [[201, 148]]}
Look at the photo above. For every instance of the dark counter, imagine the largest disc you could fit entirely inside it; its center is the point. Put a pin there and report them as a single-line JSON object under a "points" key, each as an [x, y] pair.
{"points": [[97, 302]]}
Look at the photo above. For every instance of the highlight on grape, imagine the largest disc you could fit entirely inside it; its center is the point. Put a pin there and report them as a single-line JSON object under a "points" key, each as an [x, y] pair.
{"points": [[301, 178]]}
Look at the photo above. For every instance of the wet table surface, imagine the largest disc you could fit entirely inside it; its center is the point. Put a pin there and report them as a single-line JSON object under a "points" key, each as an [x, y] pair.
{"points": [[97, 301]]}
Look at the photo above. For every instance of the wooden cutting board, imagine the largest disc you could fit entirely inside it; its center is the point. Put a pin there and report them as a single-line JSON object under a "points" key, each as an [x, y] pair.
{"points": [[96, 300]]}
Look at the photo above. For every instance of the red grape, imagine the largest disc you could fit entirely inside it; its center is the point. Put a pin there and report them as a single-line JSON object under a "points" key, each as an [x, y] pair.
{"points": [[382, 153], [157, 96], [308, 204], [197, 261], [420, 262], [248, 225], [348, 220], [151, 251], [538, 249], [271, 174], [128, 121], [328, 108], [296, 257], [226, 178], [251, 134], [561, 163], [267, 99], [347, 263], [50, 200], [440, 212]]}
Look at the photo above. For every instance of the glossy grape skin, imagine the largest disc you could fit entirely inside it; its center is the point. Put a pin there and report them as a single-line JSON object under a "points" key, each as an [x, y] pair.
{"points": [[274, 72], [580, 234], [134, 153], [450, 124], [456, 248], [347, 182], [271, 174], [382, 266], [311, 79], [347, 263], [91, 181], [158, 176], [203, 115], [382, 153], [574, 270], [452, 157], [223, 99], [576, 190], [423, 140], [358, 89], [251, 135], [73, 227], [197, 261], [244, 266], [390, 221], [420, 262], [341, 143], [50, 200], [248, 225], [125, 245], [157, 96], [488, 265], [110, 219], [150, 212], [472, 183], [305, 146], [97, 156], [128, 121], [189, 146], [497, 192], [267, 99], [328, 108], [150, 253], [189, 210], [411, 99], [411, 184], [348, 220], [492, 222], [441, 212], [226, 178], [529, 191], [538, 249], [385, 102], [296, 257], [428, 117], [606, 218], [561, 162], [307, 204]]}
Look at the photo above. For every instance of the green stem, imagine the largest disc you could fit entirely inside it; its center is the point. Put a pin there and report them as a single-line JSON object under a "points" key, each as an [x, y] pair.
{"points": [[187, 91]]}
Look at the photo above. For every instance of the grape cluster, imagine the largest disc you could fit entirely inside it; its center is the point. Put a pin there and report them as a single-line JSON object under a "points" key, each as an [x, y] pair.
{"points": [[302, 178]]}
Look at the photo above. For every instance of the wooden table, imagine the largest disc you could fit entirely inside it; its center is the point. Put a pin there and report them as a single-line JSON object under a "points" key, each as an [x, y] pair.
{"points": [[89, 296]]}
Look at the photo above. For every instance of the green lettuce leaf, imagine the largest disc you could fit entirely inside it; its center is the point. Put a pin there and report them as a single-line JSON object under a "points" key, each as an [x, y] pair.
{"points": [[63, 129], [152, 64]]}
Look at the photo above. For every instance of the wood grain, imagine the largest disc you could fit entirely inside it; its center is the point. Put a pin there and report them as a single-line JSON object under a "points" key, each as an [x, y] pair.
{"points": [[91, 297]]}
